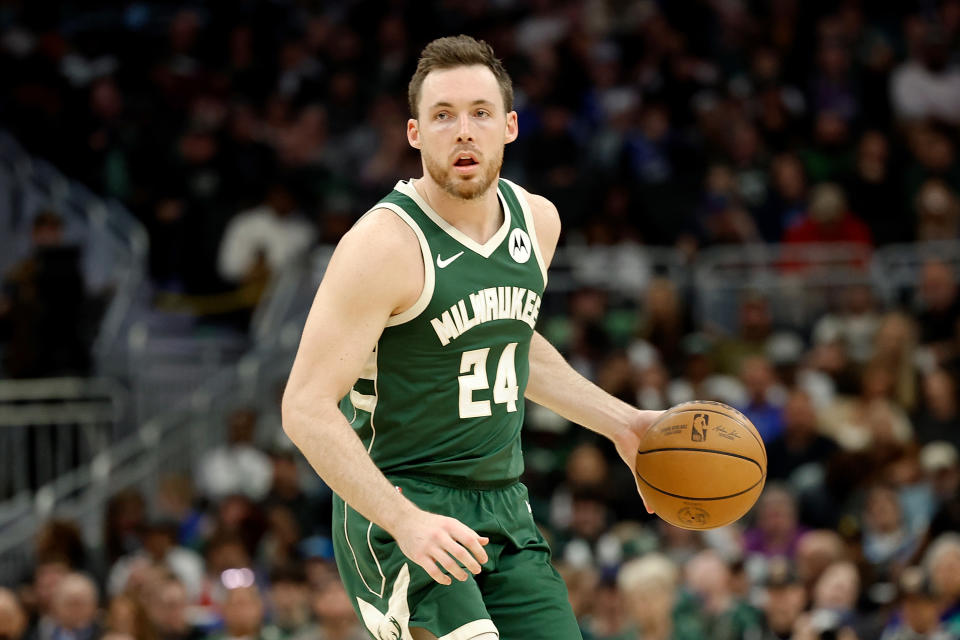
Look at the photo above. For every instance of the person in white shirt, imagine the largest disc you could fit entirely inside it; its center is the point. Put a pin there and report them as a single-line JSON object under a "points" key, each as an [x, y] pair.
{"points": [[238, 467], [265, 238]]}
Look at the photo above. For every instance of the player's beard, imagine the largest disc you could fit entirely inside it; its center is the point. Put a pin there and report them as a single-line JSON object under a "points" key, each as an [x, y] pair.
{"points": [[458, 187]]}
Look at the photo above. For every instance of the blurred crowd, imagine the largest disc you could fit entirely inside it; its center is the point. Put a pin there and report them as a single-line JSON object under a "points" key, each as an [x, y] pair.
{"points": [[244, 133]]}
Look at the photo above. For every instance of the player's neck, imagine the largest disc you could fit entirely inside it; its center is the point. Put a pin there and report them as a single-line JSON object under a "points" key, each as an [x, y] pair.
{"points": [[479, 218]]}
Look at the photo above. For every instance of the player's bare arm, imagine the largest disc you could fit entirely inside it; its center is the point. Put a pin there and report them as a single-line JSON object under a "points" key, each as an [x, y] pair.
{"points": [[375, 272], [556, 385]]}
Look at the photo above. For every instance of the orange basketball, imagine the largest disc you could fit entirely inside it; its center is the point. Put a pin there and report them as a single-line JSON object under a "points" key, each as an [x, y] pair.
{"points": [[701, 465]]}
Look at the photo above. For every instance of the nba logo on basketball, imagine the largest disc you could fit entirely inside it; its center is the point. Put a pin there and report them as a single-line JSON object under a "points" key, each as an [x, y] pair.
{"points": [[700, 423]]}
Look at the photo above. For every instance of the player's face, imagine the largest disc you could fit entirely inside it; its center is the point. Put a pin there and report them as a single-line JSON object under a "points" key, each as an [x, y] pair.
{"points": [[461, 129]]}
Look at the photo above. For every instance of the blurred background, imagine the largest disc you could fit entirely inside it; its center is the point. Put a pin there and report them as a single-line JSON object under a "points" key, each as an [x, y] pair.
{"points": [[760, 206]]}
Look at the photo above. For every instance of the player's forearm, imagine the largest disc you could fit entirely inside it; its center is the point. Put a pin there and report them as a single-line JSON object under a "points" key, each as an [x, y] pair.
{"points": [[338, 456], [556, 385]]}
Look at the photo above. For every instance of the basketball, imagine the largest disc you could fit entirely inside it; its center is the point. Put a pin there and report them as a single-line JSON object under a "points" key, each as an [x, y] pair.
{"points": [[701, 465]]}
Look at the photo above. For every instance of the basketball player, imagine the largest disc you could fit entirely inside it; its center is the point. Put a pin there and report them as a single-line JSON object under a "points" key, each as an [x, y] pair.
{"points": [[424, 326]]}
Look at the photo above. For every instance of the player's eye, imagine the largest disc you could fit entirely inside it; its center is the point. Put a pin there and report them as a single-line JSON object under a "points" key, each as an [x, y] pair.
{"points": [[483, 113], [443, 115]]}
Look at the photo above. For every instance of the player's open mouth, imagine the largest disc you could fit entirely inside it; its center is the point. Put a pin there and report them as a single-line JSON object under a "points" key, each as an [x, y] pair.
{"points": [[465, 161]]}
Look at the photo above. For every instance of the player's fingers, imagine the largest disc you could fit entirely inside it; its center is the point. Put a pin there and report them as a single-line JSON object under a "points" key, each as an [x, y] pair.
{"points": [[475, 547], [446, 561], [463, 555], [471, 540], [434, 571], [646, 505]]}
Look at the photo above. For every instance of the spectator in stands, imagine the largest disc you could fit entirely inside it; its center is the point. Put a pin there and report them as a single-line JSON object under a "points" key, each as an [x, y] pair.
{"points": [[168, 612], [937, 208], [787, 202], [939, 415], [698, 380], [123, 522], [800, 443], [776, 531], [895, 349], [334, 613], [941, 465], [870, 418], [126, 616], [755, 328], [888, 541], [872, 186], [175, 502], [160, 548], [664, 321], [785, 600], [926, 85], [649, 586], [224, 551], [726, 616], [289, 605], [13, 620], [764, 406], [60, 538], [243, 614], [312, 512], [44, 307], [828, 220], [75, 609], [263, 240], [582, 586], [942, 562], [933, 156], [47, 576], [834, 601], [939, 308], [918, 615], [854, 324], [279, 544], [238, 467]]}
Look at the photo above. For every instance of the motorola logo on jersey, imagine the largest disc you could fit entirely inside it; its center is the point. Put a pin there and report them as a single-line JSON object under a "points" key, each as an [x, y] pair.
{"points": [[520, 246]]}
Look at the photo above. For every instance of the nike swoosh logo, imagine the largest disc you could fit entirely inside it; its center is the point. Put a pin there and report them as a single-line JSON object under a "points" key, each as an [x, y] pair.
{"points": [[444, 263]]}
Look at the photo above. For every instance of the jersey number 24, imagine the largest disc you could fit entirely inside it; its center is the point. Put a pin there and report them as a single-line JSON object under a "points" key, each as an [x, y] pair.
{"points": [[473, 367]]}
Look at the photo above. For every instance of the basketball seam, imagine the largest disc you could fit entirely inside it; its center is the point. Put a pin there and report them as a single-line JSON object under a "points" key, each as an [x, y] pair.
{"points": [[763, 474], [693, 499], [743, 424]]}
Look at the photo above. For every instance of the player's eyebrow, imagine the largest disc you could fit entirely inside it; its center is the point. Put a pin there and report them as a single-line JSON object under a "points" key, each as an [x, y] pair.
{"points": [[476, 102]]}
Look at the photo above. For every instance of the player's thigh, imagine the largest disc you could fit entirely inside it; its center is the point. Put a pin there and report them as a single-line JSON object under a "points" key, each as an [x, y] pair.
{"points": [[390, 592], [527, 598], [423, 634]]}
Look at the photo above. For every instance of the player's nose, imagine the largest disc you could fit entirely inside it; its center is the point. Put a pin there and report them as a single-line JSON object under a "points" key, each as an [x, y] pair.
{"points": [[465, 132]]}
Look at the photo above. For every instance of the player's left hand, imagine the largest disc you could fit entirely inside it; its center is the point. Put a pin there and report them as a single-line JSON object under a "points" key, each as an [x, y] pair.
{"points": [[627, 441]]}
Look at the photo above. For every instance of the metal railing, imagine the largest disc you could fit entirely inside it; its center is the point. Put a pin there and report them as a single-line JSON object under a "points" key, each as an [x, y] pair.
{"points": [[114, 242]]}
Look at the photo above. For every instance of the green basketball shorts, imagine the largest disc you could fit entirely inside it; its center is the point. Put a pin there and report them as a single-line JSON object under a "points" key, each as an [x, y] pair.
{"points": [[518, 594]]}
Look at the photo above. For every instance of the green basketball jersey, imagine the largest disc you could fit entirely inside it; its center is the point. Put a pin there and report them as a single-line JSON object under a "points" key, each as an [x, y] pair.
{"points": [[442, 393]]}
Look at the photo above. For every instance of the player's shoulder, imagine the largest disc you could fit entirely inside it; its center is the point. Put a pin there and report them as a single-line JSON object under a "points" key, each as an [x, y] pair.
{"points": [[381, 238]]}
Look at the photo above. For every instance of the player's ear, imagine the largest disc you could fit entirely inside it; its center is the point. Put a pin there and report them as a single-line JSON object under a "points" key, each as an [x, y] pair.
{"points": [[512, 131], [413, 133]]}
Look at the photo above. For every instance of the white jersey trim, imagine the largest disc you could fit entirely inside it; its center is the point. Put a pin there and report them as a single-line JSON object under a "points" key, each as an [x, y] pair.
{"points": [[485, 249], [472, 630], [429, 279], [521, 194]]}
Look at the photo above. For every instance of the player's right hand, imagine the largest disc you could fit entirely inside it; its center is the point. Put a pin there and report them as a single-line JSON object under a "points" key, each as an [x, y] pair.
{"points": [[439, 543]]}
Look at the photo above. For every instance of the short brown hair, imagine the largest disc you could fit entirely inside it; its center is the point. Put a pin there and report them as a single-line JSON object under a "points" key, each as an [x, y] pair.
{"points": [[458, 51]]}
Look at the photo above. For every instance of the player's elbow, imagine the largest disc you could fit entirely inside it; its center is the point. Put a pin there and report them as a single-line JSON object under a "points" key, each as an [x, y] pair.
{"points": [[301, 413], [292, 415]]}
